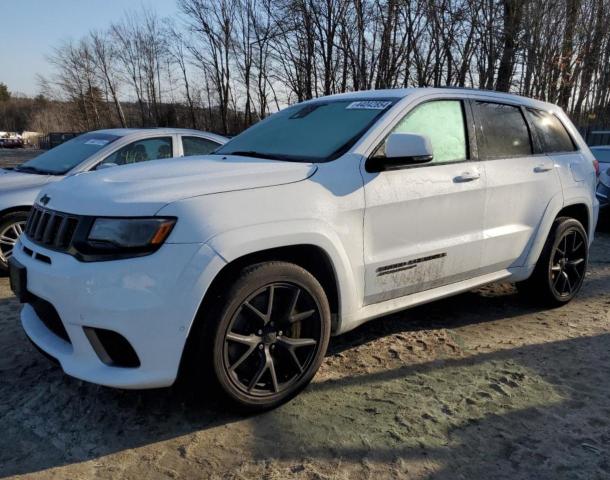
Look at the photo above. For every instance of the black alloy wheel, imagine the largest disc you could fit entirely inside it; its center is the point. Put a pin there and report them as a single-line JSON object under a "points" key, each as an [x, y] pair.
{"points": [[561, 268], [569, 263], [267, 335], [272, 339]]}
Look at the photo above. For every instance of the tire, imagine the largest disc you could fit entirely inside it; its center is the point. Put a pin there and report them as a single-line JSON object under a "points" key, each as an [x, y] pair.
{"points": [[261, 357], [11, 226], [557, 278]]}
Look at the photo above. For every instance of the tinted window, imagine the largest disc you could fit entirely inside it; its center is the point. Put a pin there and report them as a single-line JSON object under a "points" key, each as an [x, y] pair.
{"points": [[198, 146], [443, 123], [142, 151], [65, 157], [552, 134], [316, 131], [504, 132]]}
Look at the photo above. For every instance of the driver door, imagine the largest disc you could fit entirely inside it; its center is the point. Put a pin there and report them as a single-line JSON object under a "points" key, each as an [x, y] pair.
{"points": [[423, 224]]}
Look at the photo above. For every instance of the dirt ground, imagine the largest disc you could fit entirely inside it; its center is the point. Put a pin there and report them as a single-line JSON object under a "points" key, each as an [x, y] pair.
{"points": [[478, 386]]}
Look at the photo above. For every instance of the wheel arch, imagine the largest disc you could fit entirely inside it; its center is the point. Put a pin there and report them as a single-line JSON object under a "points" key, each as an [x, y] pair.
{"points": [[19, 208], [577, 209], [311, 257]]}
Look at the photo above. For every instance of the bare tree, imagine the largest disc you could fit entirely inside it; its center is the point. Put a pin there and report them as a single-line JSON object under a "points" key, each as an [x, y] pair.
{"points": [[225, 64], [213, 26], [104, 59]]}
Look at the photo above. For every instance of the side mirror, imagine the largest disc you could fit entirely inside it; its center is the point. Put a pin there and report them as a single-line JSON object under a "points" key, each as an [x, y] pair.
{"points": [[402, 150], [103, 166]]}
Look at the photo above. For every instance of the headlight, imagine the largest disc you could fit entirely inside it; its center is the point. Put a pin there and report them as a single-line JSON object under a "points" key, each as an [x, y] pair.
{"points": [[126, 237]]}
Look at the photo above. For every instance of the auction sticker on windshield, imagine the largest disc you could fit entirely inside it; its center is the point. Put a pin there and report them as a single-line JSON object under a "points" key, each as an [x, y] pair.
{"points": [[369, 105], [97, 141]]}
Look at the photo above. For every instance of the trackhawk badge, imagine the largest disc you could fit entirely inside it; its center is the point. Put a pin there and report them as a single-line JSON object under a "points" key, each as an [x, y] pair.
{"points": [[45, 199]]}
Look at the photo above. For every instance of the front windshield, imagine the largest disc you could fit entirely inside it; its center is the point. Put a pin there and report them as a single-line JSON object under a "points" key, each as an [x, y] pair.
{"points": [[316, 131], [65, 157]]}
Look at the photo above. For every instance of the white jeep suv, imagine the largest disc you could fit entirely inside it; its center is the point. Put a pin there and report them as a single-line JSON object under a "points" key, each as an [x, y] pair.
{"points": [[321, 217]]}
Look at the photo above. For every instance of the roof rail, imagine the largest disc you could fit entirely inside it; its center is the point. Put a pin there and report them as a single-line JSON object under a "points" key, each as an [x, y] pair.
{"points": [[476, 89]]}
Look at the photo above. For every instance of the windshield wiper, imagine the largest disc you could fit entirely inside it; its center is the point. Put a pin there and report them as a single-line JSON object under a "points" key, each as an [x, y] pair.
{"points": [[27, 169], [38, 171], [254, 154]]}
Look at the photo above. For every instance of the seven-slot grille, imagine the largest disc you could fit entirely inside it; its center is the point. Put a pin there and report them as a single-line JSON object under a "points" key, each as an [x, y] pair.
{"points": [[51, 228]]}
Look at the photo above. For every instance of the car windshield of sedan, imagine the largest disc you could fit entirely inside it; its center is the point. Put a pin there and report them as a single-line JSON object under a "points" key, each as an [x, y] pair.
{"points": [[65, 157], [316, 131]]}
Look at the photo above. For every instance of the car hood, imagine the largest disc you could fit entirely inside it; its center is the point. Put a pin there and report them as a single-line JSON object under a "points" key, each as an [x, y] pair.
{"points": [[143, 189], [13, 180]]}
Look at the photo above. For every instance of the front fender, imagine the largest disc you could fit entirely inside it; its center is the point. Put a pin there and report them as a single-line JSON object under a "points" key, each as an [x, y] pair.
{"points": [[237, 243], [18, 198]]}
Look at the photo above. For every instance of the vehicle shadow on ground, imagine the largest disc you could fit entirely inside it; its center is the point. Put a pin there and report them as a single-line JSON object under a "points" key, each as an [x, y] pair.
{"points": [[505, 411], [506, 414]]}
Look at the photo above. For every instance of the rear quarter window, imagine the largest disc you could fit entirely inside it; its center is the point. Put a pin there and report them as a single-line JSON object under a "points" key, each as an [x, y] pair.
{"points": [[198, 146], [553, 136]]}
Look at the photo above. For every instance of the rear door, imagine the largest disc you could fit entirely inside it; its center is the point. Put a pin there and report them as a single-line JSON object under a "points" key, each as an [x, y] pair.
{"points": [[521, 180], [423, 224]]}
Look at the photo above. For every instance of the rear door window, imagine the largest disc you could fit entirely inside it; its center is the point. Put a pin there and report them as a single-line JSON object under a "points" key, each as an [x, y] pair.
{"points": [[553, 136], [503, 131], [198, 146]]}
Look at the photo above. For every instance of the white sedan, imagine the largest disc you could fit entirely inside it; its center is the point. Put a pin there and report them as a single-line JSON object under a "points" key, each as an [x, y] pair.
{"points": [[103, 148]]}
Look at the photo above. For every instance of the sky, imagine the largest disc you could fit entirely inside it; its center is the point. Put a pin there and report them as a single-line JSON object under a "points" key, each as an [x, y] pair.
{"points": [[30, 29]]}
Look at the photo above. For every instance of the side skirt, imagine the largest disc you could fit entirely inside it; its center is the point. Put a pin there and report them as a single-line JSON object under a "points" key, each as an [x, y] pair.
{"points": [[370, 312]]}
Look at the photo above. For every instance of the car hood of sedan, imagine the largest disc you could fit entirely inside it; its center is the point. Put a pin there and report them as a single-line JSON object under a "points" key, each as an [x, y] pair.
{"points": [[144, 188], [14, 180]]}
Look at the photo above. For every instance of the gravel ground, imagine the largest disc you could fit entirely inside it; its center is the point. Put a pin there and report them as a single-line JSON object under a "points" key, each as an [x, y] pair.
{"points": [[477, 386]]}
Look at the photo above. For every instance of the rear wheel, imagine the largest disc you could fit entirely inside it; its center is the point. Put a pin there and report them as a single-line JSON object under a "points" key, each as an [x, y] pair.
{"points": [[561, 268], [11, 227], [269, 335]]}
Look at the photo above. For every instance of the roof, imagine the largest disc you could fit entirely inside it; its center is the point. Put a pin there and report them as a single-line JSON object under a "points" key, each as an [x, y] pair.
{"points": [[123, 132], [400, 93]]}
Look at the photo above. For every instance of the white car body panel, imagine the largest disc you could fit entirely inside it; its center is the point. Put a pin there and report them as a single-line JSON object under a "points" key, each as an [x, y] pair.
{"points": [[143, 189], [435, 219], [518, 193], [232, 207], [102, 296]]}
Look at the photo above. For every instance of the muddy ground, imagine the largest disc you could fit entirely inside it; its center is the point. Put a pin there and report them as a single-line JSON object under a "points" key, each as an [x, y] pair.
{"points": [[478, 386]]}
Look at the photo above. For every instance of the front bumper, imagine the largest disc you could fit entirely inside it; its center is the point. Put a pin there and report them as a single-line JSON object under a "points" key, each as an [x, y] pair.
{"points": [[150, 301]]}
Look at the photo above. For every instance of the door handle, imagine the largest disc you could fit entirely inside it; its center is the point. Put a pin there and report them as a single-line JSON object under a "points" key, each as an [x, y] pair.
{"points": [[542, 168], [467, 177]]}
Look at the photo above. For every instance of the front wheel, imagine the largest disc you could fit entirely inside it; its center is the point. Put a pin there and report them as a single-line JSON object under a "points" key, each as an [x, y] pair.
{"points": [[269, 336], [561, 268], [11, 227]]}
